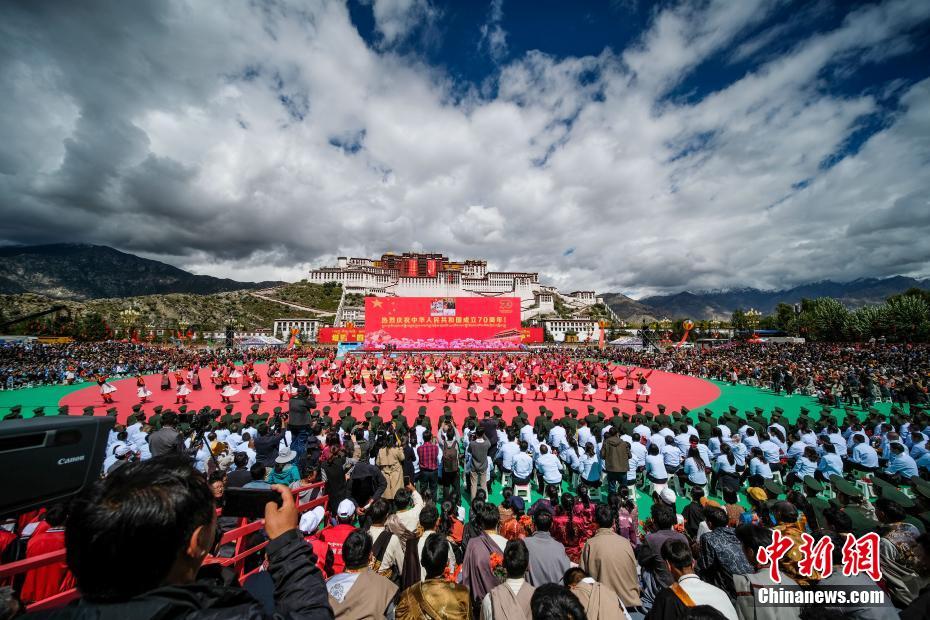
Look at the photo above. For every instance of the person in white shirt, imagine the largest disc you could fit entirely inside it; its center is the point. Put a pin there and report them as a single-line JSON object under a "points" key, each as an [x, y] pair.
{"points": [[687, 590], [655, 466], [549, 466], [522, 465]]}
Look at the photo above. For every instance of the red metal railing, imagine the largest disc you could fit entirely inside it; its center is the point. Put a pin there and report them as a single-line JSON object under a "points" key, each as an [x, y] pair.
{"points": [[238, 535]]}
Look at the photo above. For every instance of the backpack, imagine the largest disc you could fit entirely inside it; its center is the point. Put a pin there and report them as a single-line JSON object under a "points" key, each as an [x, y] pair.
{"points": [[450, 457]]}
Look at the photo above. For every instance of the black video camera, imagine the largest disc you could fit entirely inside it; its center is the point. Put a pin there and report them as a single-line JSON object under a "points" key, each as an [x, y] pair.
{"points": [[54, 459]]}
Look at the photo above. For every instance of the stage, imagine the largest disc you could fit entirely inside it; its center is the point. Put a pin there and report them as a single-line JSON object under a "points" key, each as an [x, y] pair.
{"points": [[672, 390]]}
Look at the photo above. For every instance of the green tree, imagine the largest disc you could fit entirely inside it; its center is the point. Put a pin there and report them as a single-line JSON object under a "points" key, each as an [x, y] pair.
{"points": [[738, 320], [92, 328], [909, 316], [830, 320]]}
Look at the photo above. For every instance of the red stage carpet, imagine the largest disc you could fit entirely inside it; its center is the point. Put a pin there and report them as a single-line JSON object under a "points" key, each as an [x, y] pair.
{"points": [[670, 389]]}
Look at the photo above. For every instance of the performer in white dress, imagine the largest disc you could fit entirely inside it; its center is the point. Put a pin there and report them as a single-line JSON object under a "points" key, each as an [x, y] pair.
{"points": [[235, 375], [473, 389], [566, 387], [255, 394], [499, 390], [336, 391], [379, 390], [613, 390], [539, 388], [519, 391], [228, 392], [287, 391], [425, 390], [588, 390], [180, 395], [144, 393], [644, 390], [400, 392], [106, 390], [452, 391], [358, 390]]}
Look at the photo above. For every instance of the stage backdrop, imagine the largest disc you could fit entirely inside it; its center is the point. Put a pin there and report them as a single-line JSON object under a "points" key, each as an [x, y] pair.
{"points": [[443, 323]]}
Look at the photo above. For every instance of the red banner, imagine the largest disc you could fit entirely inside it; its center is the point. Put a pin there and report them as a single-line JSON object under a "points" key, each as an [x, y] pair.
{"points": [[412, 267], [431, 267], [450, 323], [333, 335]]}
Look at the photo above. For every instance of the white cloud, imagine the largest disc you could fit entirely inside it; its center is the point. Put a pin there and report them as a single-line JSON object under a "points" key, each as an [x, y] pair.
{"points": [[493, 35], [251, 141]]}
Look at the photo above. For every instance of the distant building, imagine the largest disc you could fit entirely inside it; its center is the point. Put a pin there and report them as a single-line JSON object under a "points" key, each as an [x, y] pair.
{"points": [[308, 327], [573, 330], [423, 274]]}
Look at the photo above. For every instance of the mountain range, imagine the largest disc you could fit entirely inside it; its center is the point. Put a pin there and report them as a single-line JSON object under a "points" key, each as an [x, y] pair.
{"points": [[81, 272], [721, 304]]}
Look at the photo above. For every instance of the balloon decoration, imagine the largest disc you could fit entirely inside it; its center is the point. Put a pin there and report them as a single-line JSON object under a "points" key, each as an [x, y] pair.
{"points": [[688, 325]]}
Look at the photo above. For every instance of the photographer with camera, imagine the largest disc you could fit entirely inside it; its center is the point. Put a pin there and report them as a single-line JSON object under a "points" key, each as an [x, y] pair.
{"points": [[136, 541], [298, 422]]}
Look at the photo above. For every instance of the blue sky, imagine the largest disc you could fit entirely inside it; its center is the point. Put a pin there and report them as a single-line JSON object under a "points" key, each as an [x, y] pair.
{"points": [[619, 145]]}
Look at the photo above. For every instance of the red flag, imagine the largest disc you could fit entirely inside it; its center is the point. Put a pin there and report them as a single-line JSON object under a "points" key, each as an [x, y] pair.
{"points": [[602, 340]]}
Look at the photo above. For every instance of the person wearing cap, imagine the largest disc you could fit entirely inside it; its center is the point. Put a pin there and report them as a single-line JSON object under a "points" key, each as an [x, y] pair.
{"points": [[284, 471], [309, 525], [335, 535]]}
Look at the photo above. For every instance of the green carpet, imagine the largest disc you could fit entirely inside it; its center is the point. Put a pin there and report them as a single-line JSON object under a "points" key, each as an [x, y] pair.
{"points": [[743, 397]]}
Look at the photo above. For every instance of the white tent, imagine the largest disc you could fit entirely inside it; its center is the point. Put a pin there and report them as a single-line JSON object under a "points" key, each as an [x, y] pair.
{"points": [[628, 342], [259, 341]]}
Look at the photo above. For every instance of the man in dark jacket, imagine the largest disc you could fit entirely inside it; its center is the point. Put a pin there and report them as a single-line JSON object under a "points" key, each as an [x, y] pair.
{"points": [[298, 422], [266, 445], [161, 513], [616, 454]]}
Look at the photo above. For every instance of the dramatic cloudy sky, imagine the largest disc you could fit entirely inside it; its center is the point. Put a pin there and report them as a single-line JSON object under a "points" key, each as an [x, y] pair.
{"points": [[620, 145]]}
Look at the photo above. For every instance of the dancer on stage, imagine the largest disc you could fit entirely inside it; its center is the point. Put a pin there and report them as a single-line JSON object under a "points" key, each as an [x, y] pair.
{"points": [[106, 390], [165, 381], [287, 391], [565, 387], [358, 389], [452, 391], [193, 377], [227, 392], [473, 389], [400, 391], [539, 388], [613, 389], [644, 390], [379, 390], [424, 390], [519, 390], [234, 375], [499, 390], [336, 391], [589, 388], [180, 395], [255, 394], [143, 392]]}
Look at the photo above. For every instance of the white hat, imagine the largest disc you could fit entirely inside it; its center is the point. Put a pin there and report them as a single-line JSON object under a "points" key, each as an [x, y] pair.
{"points": [[345, 509], [285, 456], [668, 496], [311, 519], [121, 450]]}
